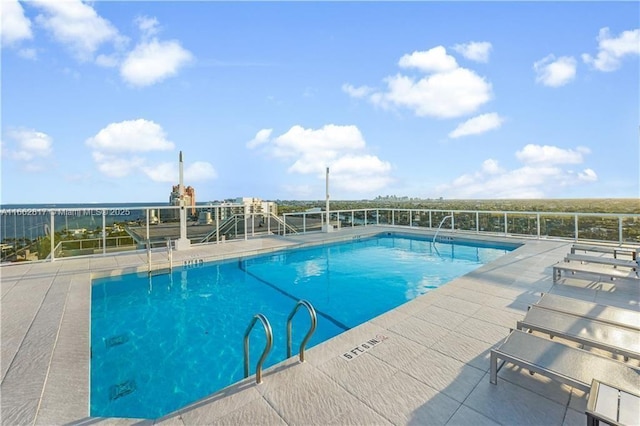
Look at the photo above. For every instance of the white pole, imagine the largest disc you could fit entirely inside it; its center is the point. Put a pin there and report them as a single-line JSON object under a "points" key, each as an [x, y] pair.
{"points": [[182, 242], [327, 227]]}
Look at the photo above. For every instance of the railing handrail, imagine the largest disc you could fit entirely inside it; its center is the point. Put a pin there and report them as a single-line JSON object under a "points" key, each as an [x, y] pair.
{"points": [[267, 349], [314, 322], [440, 226]]}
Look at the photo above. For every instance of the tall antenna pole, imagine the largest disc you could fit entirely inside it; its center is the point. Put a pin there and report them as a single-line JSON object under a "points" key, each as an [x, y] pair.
{"points": [[183, 242], [327, 226]]}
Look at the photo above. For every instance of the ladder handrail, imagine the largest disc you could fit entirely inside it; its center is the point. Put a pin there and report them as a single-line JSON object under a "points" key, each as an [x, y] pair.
{"points": [[440, 226], [314, 322], [267, 349]]}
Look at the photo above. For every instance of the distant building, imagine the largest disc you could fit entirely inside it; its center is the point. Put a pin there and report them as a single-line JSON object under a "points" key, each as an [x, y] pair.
{"points": [[189, 199], [241, 206]]}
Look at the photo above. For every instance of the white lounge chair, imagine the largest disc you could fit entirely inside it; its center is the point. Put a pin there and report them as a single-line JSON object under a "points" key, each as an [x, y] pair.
{"points": [[584, 258], [572, 366], [615, 339], [615, 251], [600, 272], [604, 313]]}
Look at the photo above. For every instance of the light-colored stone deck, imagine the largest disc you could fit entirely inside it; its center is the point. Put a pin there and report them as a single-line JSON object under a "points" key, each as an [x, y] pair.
{"points": [[431, 369]]}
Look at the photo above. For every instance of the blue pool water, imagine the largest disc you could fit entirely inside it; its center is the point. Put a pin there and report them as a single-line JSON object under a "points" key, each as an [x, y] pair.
{"points": [[160, 343]]}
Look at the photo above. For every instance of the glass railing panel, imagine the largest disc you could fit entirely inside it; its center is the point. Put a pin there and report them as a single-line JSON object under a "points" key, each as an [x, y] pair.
{"points": [[436, 218], [603, 228], [372, 217], [631, 230], [522, 224], [358, 218], [402, 217], [557, 226], [25, 235], [384, 217], [314, 222], [420, 219], [463, 221], [491, 222]]}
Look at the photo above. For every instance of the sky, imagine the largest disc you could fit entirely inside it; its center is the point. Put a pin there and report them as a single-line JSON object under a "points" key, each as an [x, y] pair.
{"points": [[460, 100]]}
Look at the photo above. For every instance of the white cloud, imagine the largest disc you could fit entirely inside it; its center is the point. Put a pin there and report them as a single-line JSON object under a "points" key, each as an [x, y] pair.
{"points": [[491, 167], [476, 50], [118, 147], [31, 144], [342, 148], [476, 125], [536, 154], [447, 90], [148, 26], [169, 172], [153, 61], [76, 25], [261, 137], [554, 72], [28, 53], [442, 95], [539, 177], [15, 26], [588, 175], [356, 92], [116, 167], [131, 136], [432, 60], [611, 50]]}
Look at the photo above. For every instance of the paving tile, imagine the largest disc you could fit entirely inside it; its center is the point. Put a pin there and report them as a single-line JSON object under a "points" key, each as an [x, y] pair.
{"points": [[507, 403], [578, 400], [360, 415], [256, 412], [360, 374], [313, 399], [389, 319], [441, 317], [445, 374], [574, 418], [482, 330], [455, 304], [420, 331], [219, 404], [465, 349], [466, 416], [399, 351], [500, 317], [537, 383], [405, 400]]}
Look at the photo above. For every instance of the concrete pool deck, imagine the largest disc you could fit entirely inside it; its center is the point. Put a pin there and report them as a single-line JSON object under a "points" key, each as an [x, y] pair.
{"points": [[431, 365]]}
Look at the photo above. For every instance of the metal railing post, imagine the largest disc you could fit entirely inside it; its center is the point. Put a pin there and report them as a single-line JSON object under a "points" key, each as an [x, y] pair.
{"points": [[620, 237], [538, 223], [575, 227], [104, 232], [505, 224], [52, 234]]}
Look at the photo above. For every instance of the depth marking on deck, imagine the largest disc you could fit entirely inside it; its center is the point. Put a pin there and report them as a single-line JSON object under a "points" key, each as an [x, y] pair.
{"points": [[363, 347]]}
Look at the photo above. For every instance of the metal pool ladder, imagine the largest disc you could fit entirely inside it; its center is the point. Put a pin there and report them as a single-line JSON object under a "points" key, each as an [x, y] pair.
{"points": [[267, 349], [159, 271], [440, 226], [314, 322]]}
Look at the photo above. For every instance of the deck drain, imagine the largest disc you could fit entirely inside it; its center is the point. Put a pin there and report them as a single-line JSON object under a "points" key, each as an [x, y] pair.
{"points": [[116, 340], [121, 389]]}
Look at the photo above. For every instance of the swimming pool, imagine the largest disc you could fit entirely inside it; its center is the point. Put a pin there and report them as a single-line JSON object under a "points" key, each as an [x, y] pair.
{"points": [[160, 343]]}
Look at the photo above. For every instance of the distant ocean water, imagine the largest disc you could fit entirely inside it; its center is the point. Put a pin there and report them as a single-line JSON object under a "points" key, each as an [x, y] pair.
{"points": [[28, 221]]}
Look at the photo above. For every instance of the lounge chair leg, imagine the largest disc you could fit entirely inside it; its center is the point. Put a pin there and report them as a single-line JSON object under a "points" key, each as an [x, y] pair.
{"points": [[493, 377], [531, 372]]}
